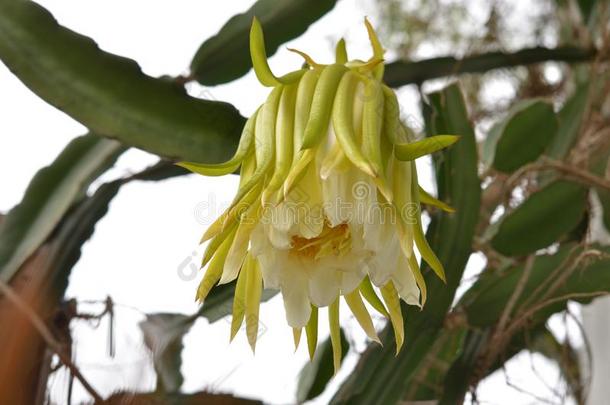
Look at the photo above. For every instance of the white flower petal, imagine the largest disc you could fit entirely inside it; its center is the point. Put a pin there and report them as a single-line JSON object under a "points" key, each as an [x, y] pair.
{"points": [[324, 285], [405, 282], [295, 295]]}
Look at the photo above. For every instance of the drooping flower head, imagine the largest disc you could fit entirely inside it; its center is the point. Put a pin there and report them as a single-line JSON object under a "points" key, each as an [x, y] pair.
{"points": [[328, 204]]}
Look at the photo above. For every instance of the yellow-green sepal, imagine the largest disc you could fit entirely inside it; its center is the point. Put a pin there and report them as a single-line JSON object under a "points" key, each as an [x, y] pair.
{"points": [[392, 301], [227, 234], [311, 331], [391, 114], [341, 52], [239, 247], [308, 59], [371, 133], [243, 148], [254, 288], [419, 278], [413, 150], [213, 272], [296, 335], [239, 303], [426, 198], [335, 333], [284, 140], [342, 120], [369, 294], [356, 305], [322, 104], [378, 50], [418, 232], [298, 170], [264, 136]]}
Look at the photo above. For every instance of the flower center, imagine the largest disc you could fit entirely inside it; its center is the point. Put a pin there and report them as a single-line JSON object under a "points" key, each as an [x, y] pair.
{"points": [[335, 241]]}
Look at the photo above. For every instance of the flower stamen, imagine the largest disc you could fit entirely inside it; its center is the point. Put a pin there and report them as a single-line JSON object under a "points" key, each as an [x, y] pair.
{"points": [[331, 241]]}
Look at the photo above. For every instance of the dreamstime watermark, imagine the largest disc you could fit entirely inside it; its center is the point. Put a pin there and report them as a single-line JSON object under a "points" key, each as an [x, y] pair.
{"points": [[188, 269], [362, 206]]}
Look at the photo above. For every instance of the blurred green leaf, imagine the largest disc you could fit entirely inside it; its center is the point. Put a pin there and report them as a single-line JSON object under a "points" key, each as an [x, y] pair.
{"points": [[316, 374], [49, 196], [570, 120], [163, 334], [542, 219], [381, 377], [110, 94], [226, 56], [521, 137]]}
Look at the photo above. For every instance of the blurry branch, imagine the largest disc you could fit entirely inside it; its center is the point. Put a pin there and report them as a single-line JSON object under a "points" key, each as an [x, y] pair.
{"points": [[46, 334], [568, 171], [400, 73], [197, 398]]}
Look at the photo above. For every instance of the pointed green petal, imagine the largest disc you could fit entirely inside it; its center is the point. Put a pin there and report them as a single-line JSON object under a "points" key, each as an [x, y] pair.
{"points": [[254, 288], [239, 303], [232, 215], [343, 123], [419, 278], [334, 160], [391, 114], [403, 203], [369, 294], [367, 67], [305, 92], [322, 105], [227, 234], [228, 167], [259, 56], [308, 59], [371, 133], [414, 150], [354, 301], [392, 301], [426, 198], [341, 52], [378, 50], [292, 77], [264, 138], [335, 333], [296, 334], [311, 330], [418, 232], [298, 170], [214, 271], [239, 248], [283, 141]]}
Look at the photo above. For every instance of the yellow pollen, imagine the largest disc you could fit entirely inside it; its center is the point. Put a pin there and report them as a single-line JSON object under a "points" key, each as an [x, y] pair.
{"points": [[331, 241]]}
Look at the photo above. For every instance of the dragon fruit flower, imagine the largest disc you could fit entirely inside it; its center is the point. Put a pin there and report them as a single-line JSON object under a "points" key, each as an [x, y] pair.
{"points": [[328, 204]]}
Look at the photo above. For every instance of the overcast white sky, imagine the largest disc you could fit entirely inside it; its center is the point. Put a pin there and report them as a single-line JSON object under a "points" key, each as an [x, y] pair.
{"points": [[153, 228]]}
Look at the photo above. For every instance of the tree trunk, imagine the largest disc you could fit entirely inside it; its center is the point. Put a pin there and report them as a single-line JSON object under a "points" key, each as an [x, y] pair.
{"points": [[22, 350]]}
